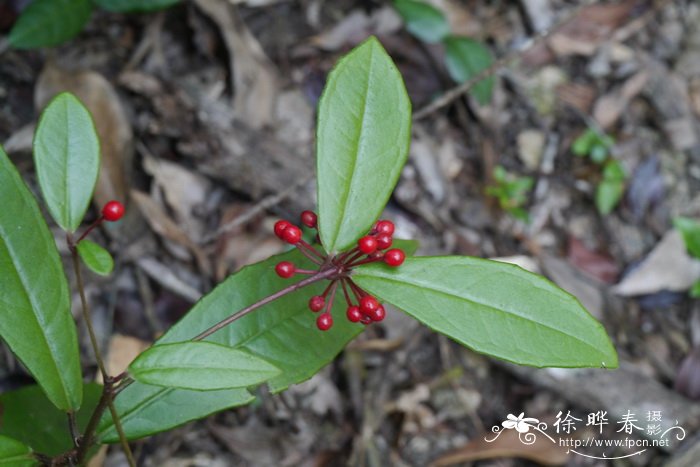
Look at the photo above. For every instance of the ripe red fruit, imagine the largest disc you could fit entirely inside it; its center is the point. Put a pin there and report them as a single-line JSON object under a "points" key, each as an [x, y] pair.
{"points": [[394, 257], [353, 314], [368, 304], [378, 315], [113, 211], [324, 321], [384, 241], [367, 244], [385, 227], [316, 303], [366, 320], [280, 227], [292, 234], [309, 219], [285, 269]]}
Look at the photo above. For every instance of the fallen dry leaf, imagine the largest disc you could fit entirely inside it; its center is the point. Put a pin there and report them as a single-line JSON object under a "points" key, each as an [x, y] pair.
{"points": [[597, 265], [356, 26], [122, 351], [253, 74], [507, 444], [667, 267], [609, 108]]}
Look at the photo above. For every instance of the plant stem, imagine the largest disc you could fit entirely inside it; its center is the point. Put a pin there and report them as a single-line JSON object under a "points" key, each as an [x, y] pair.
{"points": [[73, 427], [325, 274], [89, 229], [107, 390]]}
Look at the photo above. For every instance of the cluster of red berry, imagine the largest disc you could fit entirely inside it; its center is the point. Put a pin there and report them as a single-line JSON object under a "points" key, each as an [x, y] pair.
{"points": [[373, 247]]}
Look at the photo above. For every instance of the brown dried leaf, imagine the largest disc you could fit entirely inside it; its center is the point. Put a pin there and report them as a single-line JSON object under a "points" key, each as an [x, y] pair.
{"points": [[356, 26], [609, 108], [597, 265], [253, 74], [111, 122], [507, 444]]}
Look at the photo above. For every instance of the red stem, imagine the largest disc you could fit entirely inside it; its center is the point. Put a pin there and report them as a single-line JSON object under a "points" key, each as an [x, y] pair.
{"points": [[89, 229], [345, 292], [312, 249], [329, 304]]}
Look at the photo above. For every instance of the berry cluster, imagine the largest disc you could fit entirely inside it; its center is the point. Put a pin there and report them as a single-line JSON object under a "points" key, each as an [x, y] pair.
{"points": [[375, 246]]}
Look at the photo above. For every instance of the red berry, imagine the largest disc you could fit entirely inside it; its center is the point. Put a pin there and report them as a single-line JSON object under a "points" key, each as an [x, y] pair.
{"points": [[292, 234], [285, 269], [368, 304], [367, 244], [113, 211], [280, 227], [316, 303], [309, 219], [324, 321], [394, 257], [354, 314], [385, 227], [378, 314], [366, 320], [384, 241]]}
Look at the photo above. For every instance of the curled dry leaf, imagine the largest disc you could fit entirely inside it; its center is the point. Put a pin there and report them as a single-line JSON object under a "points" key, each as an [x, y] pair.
{"points": [[253, 74], [111, 122]]}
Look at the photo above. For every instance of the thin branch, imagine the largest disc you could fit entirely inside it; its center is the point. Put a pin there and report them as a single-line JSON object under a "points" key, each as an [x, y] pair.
{"points": [[457, 91]]}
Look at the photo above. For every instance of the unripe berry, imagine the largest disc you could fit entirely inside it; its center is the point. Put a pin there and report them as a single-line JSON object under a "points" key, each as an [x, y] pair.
{"points": [[324, 321], [378, 315], [292, 234], [280, 227], [285, 269], [309, 219], [384, 241], [394, 257], [316, 303], [385, 227], [368, 304], [367, 244], [113, 211], [353, 314]]}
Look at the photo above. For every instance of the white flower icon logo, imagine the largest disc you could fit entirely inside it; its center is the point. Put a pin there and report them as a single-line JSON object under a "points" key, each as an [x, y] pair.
{"points": [[521, 424]]}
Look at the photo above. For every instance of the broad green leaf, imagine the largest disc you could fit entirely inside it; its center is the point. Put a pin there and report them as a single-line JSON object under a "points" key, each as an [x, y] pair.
{"points": [[422, 20], [465, 59], [28, 416], [200, 365], [364, 129], [583, 144], [694, 291], [45, 23], [35, 318], [15, 454], [130, 6], [67, 159], [494, 308], [95, 257], [610, 190], [690, 230], [283, 333]]}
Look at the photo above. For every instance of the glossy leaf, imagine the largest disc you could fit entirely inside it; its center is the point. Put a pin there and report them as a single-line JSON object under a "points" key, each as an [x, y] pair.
{"points": [[67, 159], [35, 318], [95, 257], [28, 416], [13, 453], [422, 20], [494, 308], [200, 365], [610, 190], [465, 59], [364, 123], [283, 333], [45, 23], [130, 6], [690, 230]]}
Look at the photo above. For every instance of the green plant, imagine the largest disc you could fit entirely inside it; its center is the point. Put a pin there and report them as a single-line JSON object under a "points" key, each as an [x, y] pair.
{"points": [[46, 23], [511, 191], [465, 57], [596, 146], [690, 230], [205, 362]]}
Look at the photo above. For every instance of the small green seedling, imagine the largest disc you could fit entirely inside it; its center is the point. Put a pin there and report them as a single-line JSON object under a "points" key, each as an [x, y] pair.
{"points": [[690, 230], [465, 57], [257, 327], [597, 147], [511, 191]]}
